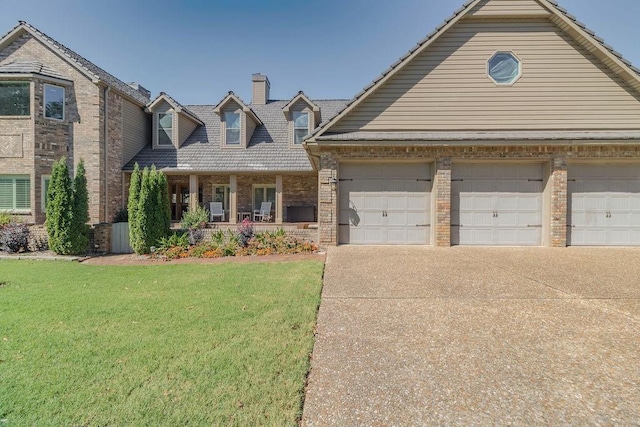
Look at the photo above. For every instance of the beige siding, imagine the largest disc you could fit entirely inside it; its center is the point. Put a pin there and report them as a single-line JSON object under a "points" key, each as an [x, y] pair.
{"points": [[446, 87], [508, 8], [186, 127], [250, 126], [136, 130]]}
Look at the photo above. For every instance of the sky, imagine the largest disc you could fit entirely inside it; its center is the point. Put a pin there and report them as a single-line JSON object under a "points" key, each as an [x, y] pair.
{"points": [[198, 50]]}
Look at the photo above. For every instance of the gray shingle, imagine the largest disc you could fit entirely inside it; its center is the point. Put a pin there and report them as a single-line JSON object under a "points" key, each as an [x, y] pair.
{"points": [[30, 67], [268, 149]]}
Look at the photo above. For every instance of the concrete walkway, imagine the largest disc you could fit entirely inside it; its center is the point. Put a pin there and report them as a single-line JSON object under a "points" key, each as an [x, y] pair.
{"points": [[477, 336]]}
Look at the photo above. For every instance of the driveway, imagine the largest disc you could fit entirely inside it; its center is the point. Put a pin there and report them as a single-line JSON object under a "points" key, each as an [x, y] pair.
{"points": [[476, 336]]}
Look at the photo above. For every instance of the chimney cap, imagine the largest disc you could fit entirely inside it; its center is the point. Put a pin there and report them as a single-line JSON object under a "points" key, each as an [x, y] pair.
{"points": [[258, 77]]}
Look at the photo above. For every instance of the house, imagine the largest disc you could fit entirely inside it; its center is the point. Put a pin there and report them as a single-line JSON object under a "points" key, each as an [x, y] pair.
{"points": [[511, 124], [54, 103]]}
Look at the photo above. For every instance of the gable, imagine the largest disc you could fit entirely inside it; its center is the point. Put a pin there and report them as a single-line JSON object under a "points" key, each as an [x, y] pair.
{"points": [[446, 87], [508, 8]]}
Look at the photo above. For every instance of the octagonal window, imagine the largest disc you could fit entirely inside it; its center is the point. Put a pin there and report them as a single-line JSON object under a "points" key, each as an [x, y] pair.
{"points": [[504, 68]]}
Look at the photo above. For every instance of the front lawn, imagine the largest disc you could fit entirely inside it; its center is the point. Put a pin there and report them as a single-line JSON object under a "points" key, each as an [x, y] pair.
{"points": [[224, 344]]}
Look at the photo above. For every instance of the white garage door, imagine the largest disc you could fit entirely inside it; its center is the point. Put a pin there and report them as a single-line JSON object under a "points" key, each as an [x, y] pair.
{"points": [[384, 203], [497, 204], [604, 205]]}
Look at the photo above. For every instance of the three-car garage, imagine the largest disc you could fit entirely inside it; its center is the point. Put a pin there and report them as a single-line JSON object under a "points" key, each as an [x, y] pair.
{"points": [[491, 203]]}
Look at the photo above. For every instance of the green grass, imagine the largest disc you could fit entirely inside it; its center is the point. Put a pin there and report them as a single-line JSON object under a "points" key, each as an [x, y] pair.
{"points": [[224, 344]]}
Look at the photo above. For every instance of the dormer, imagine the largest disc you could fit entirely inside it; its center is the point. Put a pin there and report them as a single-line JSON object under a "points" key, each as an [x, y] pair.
{"points": [[302, 116], [237, 122], [172, 123]]}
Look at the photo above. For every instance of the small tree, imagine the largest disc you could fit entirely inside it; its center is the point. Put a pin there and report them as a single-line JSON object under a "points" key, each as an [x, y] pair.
{"points": [[135, 236], [59, 209], [80, 229]]}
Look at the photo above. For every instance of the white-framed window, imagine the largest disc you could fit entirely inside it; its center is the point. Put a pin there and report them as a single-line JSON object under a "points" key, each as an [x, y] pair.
{"points": [[46, 179], [15, 193], [232, 128], [264, 193], [300, 126], [221, 193], [504, 68], [15, 98], [54, 104], [165, 129]]}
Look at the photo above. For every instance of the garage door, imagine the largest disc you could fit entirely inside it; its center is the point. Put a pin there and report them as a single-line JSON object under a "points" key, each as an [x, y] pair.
{"points": [[497, 204], [604, 205], [384, 203]]}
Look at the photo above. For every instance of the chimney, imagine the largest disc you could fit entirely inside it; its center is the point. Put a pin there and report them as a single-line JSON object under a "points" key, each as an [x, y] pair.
{"points": [[261, 88], [139, 88]]}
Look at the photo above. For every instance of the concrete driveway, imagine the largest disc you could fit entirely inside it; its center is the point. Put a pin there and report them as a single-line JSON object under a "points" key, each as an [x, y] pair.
{"points": [[476, 336]]}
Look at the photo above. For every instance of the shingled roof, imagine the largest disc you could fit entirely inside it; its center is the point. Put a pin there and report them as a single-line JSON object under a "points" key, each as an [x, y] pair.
{"points": [[267, 151], [86, 66], [30, 67]]}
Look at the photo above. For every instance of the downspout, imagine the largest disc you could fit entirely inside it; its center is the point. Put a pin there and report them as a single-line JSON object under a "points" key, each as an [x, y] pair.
{"points": [[106, 153]]}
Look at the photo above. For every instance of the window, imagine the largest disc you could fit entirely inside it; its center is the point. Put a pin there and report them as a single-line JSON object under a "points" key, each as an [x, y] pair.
{"points": [[264, 193], [15, 193], [165, 128], [300, 126], [54, 102], [504, 68], [46, 179], [15, 99], [232, 127], [221, 194]]}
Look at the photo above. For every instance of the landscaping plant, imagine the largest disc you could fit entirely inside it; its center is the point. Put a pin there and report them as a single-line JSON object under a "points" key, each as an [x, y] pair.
{"points": [[14, 237]]}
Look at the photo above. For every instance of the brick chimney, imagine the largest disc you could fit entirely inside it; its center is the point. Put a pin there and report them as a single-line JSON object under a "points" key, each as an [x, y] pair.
{"points": [[261, 88]]}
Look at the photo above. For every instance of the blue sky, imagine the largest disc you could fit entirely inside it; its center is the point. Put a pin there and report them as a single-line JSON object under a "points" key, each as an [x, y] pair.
{"points": [[199, 50]]}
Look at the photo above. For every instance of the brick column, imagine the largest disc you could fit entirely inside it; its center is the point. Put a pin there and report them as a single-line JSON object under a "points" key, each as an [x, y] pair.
{"points": [[559, 202], [328, 200], [442, 188]]}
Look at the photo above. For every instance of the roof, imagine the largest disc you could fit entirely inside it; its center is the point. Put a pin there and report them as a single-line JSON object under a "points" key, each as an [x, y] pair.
{"points": [[456, 16], [232, 97], [267, 151], [444, 137], [300, 96], [87, 67], [31, 67], [175, 104]]}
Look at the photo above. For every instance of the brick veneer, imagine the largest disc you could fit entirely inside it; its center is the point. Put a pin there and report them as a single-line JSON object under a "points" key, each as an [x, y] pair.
{"points": [[556, 156]]}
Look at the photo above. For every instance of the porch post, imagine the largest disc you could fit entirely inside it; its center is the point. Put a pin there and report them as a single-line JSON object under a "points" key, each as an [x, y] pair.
{"points": [[233, 199], [278, 199], [193, 192]]}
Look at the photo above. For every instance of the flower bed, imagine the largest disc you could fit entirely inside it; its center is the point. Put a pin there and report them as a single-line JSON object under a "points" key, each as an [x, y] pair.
{"points": [[241, 242]]}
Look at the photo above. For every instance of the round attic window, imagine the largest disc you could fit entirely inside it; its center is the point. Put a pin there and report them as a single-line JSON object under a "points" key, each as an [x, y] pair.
{"points": [[504, 68]]}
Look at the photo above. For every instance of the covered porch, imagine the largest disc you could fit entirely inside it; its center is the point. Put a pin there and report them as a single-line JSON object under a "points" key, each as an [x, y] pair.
{"points": [[293, 198]]}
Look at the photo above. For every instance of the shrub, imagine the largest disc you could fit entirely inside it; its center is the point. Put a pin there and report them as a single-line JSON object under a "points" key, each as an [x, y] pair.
{"points": [[218, 237], [5, 219], [196, 235], [59, 209], [14, 237], [245, 232], [121, 215], [40, 243], [174, 240], [80, 211], [149, 212], [135, 237], [194, 219]]}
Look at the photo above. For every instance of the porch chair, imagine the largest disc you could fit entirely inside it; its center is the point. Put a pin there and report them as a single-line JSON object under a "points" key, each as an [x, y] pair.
{"points": [[215, 210], [264, 213]]}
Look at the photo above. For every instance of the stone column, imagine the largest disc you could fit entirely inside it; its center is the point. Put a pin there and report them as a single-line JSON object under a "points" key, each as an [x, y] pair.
{"points": [[278, 199], [328, 200], [233, 199], [442, 188], [193, 192], [559, 202]]}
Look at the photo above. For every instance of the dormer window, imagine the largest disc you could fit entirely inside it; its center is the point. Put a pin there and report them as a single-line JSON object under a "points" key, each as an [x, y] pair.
{"points": [[165, 129], [232, 128], [300, 126], [54, 102]]}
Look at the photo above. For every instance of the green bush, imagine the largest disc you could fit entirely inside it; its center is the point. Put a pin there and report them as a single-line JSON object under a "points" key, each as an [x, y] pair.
{"points": [[5, 218], [194, 219], [149, 210], [174, 240], [14, 237], [80, 210], [60, 209]]}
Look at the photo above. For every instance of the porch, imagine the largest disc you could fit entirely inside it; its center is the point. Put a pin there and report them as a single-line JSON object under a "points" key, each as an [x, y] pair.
{"points": [[293, 198]]}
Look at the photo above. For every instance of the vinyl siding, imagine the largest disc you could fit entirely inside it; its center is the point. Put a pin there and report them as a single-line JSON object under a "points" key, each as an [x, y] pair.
{"points": [[186, 127], [563, 86], [136, 130], [508, 8], [250, 128]]}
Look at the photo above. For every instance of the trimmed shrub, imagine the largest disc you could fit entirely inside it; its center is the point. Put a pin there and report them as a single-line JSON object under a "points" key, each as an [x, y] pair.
{"points": [[135, 184], [80, 229], [14, 237], [60, 209]]}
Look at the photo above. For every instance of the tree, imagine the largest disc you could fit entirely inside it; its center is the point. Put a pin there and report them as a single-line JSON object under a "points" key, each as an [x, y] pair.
{"points": [[59, 209], [132, 207], [80, 229]]}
